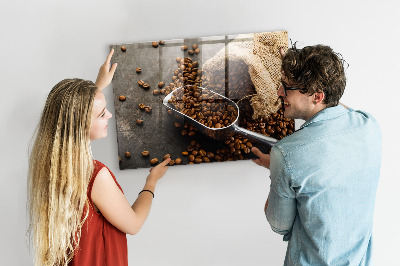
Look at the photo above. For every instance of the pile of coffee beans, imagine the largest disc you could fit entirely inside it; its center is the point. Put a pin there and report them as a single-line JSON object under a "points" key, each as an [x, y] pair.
{"points": [[236, 147], [207, 108], [275, 125]]}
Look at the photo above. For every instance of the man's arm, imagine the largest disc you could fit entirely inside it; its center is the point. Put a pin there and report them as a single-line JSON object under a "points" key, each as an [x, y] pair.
{"points": [[263, 159], [281, 207]]}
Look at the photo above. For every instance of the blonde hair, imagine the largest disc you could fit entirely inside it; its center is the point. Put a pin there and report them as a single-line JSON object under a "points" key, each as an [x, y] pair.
{"points": [[60, 167]]}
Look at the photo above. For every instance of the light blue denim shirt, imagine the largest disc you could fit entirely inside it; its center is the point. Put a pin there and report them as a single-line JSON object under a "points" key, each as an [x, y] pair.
{"points": [[323, 184]]}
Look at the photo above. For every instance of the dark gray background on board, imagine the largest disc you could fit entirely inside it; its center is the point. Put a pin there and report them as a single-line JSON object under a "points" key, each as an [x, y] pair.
{"points": [[157, 134]]}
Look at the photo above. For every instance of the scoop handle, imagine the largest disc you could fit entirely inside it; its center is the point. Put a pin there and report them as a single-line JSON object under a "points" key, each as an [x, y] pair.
{"points": [[255, 136]]}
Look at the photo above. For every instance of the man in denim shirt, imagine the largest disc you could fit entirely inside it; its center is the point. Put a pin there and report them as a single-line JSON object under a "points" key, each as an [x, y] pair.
{"points": [[323, 176]]}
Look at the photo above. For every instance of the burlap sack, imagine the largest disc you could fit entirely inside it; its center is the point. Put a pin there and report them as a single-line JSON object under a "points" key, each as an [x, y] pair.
{"points": [[261, 54]]}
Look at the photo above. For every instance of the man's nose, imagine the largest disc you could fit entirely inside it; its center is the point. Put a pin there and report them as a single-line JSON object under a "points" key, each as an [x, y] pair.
{"points": [[280, 91]]}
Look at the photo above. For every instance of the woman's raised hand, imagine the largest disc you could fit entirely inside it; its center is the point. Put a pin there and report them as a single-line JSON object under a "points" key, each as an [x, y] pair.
{"points": [[105, 73]]}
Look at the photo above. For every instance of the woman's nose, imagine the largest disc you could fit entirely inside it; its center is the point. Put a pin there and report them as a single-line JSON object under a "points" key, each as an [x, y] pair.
{"points": [[109, 114]]}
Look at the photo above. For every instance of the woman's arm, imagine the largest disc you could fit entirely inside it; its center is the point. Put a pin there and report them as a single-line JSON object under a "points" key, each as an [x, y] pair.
{"points": [[114, 206]]}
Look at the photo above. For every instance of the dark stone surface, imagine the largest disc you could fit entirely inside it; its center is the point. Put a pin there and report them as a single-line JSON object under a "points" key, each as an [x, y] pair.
{"points": [[158, 135]]}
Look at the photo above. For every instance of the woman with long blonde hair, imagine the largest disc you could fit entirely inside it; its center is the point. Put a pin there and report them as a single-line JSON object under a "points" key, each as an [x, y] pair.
{"points": [[78, 212]]}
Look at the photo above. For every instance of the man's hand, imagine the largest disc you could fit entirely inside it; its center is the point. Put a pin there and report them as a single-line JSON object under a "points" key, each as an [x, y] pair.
{"points": [[105, 73], [264, 159]]}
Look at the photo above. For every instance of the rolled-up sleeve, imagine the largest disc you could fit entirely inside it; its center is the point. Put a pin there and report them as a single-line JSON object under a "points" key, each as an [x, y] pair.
{"points": [[281, 210]]}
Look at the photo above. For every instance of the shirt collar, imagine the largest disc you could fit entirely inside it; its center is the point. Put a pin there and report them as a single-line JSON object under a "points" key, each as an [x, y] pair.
{"points": [[326, 114]]}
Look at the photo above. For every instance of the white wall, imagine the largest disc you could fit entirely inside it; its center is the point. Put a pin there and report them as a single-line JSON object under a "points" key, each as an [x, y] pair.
{"points": [[214, 215]]}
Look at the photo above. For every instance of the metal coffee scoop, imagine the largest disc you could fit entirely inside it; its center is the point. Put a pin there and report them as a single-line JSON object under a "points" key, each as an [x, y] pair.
{"points": [[223, 132]]}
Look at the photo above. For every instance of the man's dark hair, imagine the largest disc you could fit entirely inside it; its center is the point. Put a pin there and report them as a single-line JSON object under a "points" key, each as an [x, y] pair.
{"points": [[316, 69]]}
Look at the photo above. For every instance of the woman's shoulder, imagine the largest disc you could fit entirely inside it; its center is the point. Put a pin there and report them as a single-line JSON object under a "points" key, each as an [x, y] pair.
{"points": [[98, 164], [103, 170]]}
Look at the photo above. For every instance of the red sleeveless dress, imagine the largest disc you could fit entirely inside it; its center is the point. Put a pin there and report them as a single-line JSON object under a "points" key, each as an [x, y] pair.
{"points": [[101, 243]]}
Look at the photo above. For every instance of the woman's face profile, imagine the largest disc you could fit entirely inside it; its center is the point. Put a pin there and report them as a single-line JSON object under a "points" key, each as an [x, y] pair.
{"points": [[100, 116]]}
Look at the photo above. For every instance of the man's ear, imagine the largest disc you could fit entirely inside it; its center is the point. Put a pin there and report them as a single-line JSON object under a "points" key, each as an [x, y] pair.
{"points": [[318, 97]]}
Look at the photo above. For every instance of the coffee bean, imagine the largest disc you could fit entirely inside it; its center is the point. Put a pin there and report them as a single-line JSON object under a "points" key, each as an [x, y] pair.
{"points": [[154, 161], [185, 153], [161, 42], [202, 153], [162, 91], [122, 98], [232, 149], [184, 48], [184, 132], [138, 70], [145, 153], [210, 155], [166, 156], [197, 51], [172, 162], [156, 92], [192, 133], [146, 85], [270, 131], [177, 124], [206, 159], [284, 132], [191, 52], [161, 84], [155, 44], [198, 160], [190, 148], [191, 157], [123, 48], [178, 161], [127, 154], [141, 106], [148, 109], [218, 158], [139, 121], [141, 83], [170, 112]]}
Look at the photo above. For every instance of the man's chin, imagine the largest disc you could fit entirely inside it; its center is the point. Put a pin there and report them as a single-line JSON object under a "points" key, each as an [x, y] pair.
{"points": [[287, 114]]}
